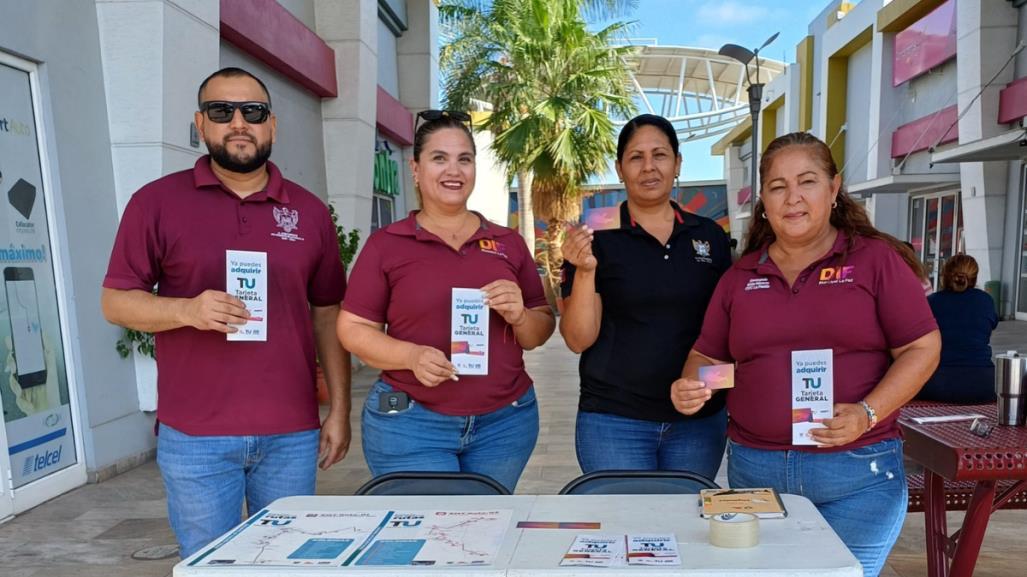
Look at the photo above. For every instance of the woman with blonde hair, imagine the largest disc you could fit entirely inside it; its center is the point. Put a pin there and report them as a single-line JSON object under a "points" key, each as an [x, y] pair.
{"points": [[966, 316]]}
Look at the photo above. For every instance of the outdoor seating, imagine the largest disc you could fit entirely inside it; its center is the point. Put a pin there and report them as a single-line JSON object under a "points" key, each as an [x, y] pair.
{"points": [[638, 483], [432, 483]]}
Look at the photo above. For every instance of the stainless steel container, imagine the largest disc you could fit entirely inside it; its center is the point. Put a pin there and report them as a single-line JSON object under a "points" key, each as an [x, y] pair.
{"points": [[1010, 370]]}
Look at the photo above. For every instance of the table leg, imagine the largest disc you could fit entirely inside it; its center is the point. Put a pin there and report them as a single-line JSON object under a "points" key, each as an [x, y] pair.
{"points": [[934, 524], [974, 525]]}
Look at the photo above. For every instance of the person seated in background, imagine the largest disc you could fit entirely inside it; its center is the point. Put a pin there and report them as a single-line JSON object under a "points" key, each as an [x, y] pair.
{"points": [[966, 317]]}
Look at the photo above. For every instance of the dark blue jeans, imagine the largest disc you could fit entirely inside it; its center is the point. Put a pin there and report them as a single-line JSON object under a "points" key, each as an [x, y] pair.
{"points": [[604, 441], [861, 493], [495, 444]]}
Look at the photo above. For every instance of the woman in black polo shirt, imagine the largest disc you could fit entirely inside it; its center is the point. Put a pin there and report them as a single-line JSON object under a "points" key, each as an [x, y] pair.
{"points": [[634, 301]]}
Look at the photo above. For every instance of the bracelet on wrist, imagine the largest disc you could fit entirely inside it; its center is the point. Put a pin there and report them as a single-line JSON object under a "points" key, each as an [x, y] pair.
{"points": [[871, 415]]}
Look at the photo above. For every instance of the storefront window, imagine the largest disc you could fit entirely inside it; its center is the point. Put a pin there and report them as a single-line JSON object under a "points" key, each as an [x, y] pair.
{"points": [[936, 226], [34, 383], [382, 212], [386, 187]]}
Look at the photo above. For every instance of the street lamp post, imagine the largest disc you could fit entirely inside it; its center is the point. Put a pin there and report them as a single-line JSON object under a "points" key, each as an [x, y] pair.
{"points": [[755, 90]]}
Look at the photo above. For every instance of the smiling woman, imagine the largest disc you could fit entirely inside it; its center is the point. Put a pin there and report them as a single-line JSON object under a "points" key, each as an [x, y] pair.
{"points": [[845, 296], [412, 279]]}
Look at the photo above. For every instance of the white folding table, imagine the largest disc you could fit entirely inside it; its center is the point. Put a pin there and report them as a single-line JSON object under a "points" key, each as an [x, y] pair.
{"points": [[801, 545]]}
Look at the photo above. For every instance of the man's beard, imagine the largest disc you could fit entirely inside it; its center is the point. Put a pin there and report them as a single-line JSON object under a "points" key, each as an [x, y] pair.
{"points": [[219, 154]]}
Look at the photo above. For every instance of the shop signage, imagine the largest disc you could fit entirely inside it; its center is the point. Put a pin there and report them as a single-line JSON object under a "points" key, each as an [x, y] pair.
{"points": [[927, 43], [386, 174], [33, 373]]}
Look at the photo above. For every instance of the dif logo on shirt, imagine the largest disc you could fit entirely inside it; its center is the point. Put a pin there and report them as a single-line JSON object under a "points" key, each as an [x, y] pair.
{"points": [[837, 275], [492, 246]]}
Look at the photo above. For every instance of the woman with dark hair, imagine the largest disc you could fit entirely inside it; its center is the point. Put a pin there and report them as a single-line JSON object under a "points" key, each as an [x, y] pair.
{"points": [[966, 317], [422, 415], [818, 289], [634, 299]]}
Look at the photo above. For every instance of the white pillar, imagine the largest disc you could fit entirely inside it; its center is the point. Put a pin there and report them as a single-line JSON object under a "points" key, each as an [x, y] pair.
{"points": [[987, 35], [350, 28], [417, 58], [155, 54]]}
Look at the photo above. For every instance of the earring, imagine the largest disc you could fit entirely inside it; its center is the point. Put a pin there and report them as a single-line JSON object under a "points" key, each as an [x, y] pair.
{"points": [[764, 216], [834, 204]]}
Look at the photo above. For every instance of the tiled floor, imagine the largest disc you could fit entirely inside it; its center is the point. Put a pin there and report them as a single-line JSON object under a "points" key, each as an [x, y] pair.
{"points": [[93, 530]]}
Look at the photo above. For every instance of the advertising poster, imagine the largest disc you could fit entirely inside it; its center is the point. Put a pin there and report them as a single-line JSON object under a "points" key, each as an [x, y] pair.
{"points": [[33, 381]]}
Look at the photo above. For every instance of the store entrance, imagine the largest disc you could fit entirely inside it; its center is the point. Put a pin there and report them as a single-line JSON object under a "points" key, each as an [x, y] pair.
{"points": [[936, 230]]}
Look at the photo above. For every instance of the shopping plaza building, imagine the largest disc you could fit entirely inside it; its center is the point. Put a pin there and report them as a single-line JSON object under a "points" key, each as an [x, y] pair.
{"points": [[97, 99], [923, 105]]}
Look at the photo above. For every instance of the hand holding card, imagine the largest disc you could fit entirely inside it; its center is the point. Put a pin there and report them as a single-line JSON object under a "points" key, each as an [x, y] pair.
{"points": [[718, 376]]}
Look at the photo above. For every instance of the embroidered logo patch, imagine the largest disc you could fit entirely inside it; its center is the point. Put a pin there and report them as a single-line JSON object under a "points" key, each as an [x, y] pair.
{"points": [[702, 251], [491, 246], [758, 283], [288, 221], [837, 275]]}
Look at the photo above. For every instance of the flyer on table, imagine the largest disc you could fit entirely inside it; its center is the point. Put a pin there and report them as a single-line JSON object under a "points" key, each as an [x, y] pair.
{"points": [[812, 392], [246, 279], [653, 549], [470, 332], [595, 551]]}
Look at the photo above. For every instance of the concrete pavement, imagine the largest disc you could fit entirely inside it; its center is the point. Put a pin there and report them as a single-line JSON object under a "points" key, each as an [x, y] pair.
{"points": [[94, 530]]}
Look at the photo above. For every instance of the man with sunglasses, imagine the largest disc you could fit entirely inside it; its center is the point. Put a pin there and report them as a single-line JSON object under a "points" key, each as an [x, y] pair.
{"points": [[236, 419]]}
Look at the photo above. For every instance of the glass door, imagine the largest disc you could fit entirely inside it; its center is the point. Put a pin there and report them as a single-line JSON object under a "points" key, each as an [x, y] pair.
{"points": [[41, 449], [1021, 298], [936, 225]]}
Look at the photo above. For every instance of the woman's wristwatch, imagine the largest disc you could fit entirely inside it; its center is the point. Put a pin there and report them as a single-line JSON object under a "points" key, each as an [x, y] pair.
{"points": [[871, 415]]}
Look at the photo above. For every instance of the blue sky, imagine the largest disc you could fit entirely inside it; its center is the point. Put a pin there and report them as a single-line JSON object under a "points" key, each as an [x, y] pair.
{"points": [[711, 24]]}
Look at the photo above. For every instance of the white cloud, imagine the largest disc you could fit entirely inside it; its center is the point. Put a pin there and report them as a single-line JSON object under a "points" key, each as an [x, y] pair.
{"points": [[727, 12]]}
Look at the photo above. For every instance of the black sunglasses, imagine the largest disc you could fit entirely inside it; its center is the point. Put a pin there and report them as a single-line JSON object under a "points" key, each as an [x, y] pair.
{"points": [[433, 115], [222, 111]]}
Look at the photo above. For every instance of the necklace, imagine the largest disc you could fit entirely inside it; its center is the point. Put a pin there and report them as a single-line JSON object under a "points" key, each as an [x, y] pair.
{"points": [[453, 234]]}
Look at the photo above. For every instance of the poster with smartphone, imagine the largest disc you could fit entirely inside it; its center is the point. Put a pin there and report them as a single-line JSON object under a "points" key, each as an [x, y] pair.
{"points": [[33, 382]]}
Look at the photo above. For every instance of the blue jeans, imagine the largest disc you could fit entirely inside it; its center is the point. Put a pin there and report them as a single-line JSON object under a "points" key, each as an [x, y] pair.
{"points": [[604, 441], [861, 493], [495, 444], [206, 478]]}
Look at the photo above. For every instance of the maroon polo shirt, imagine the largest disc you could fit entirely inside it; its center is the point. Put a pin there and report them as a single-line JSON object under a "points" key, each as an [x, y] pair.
{"points": [[404, 278], [174, 234], [860, 304]]}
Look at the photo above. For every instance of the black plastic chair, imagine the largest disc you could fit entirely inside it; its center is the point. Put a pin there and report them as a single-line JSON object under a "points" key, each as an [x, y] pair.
{"points": [[638, 483], [432, 483]]}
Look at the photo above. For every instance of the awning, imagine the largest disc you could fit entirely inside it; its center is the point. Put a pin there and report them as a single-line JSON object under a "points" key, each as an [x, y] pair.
{"points": [[743, 195], [899, 183], [1011, 145]]}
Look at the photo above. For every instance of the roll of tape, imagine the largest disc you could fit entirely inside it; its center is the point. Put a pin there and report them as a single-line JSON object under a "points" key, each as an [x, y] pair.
{"points": [[734, 530]]}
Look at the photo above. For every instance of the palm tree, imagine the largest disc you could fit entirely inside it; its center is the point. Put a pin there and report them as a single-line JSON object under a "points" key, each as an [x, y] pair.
{"points": [[552, 84]]}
